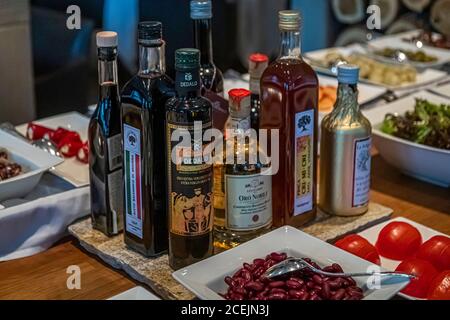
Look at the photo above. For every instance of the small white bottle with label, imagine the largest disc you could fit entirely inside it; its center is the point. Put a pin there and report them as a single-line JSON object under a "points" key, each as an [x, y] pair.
{"points": [[246, 190], [345, 151]]}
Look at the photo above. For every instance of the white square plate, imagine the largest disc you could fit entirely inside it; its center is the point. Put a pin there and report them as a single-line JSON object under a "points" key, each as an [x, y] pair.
{"points": [[136, 293], [426, 77], [34, 163], [71, 170], [371, 235], [206, 278], [443, 90], [420, 161]]}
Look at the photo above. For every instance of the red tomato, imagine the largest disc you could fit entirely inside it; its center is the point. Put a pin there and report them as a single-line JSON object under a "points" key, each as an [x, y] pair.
{"points": [[398, 240], [425, 273], [360, 247], [437, 251], [440, 287]]}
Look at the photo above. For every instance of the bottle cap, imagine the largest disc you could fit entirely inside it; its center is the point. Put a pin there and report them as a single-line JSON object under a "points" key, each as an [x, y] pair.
{"points": [[187, 58], [257, 63], [201, 9], [149, 31], [107, 39], [289, 20], [239, 101], [348, 74]]}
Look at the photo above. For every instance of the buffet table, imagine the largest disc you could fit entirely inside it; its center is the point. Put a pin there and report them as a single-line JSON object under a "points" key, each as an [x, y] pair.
{"points": [[44, 276]]}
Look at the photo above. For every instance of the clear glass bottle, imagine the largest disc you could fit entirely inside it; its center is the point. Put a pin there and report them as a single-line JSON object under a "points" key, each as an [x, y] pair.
{"points": [[190, 181], [246, 193], [105, 151], [289, 103], [143, 126], [345, 151]]}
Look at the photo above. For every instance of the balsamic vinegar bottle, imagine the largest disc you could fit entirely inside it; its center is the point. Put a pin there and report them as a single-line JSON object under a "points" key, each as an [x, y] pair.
{"points": [[105, 154], [143, 121], [211, 76], [190, 177]]}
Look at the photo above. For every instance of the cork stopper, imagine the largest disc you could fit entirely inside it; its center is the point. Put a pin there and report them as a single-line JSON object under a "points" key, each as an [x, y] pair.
{"points": [[257, 63], [239, 102], [289, 20], [107, 39]]}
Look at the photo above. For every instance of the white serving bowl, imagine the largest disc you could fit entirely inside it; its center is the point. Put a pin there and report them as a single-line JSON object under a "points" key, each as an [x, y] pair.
{"points": [[420, 161]]}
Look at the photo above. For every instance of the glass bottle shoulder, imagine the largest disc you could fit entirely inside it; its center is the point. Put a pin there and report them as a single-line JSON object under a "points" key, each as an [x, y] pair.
{"points": [[290, 74]]}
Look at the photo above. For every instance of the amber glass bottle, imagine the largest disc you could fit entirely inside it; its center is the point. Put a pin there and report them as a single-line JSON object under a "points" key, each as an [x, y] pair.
{"points": [[289, 92]]}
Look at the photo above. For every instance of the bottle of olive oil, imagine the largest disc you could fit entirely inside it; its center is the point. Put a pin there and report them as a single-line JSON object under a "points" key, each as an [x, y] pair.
{"points": [[189, 173], [345, 151]]}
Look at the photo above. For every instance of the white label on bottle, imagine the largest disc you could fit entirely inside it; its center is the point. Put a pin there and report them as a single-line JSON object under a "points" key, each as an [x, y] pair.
{"points": [[248, 201], [304, 162], [116, 199], [361, 172], [133, 175], [115, 152]]}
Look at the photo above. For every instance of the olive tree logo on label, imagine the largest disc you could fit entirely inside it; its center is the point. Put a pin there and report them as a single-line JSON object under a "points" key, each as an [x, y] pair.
{"points": [[74, 280], [374, 19], [74, 20]]}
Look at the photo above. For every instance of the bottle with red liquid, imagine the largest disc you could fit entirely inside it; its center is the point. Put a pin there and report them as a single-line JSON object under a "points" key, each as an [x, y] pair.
{"points": [[289, 95]]}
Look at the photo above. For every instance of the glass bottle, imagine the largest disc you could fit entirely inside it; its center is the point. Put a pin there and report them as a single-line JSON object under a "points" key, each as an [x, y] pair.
{"points": [[201, 14], [189, 173], [257, 63], [143, 121], [345, 151], [289, 95], [105, 153], [246, 191]]}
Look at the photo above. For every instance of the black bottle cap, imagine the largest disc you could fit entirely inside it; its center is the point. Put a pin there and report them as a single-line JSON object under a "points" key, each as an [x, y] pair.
{"points": [[187, 58], [149, 32]]}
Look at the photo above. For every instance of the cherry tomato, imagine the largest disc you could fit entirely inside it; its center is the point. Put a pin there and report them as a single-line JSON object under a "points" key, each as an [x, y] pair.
{"points": [[62, 133], [36, 131], [360, 247], [437, 251], [425, 273], [70, 146], [440, 287], [398, 240]]}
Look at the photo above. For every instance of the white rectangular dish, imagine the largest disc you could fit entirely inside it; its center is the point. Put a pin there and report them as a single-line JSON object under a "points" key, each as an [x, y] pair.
{"points": [[71, 169], [34, 163], [136, 293], [420, 161], [372, 233], [423, 78], [207, 285]]}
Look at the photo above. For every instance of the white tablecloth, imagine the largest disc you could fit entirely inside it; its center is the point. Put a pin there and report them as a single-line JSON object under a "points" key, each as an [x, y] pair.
{"points": [[31, 225]]}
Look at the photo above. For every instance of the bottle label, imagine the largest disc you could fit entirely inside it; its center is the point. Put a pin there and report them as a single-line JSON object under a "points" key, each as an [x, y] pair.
{"points": [[116, 199], [133, 185], [361, 172], [249, 201], [190, 185], [115, 152], [304, 162], [186, 81]]}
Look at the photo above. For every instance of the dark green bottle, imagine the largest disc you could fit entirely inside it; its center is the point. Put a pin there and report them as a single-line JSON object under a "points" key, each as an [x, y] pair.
{"points": [[190, 182]]}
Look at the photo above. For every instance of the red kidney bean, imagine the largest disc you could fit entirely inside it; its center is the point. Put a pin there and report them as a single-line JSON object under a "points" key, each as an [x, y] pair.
{"points": [[278, 290], [352, 281], [236, 296], [237, 274], [228, 280], [278, 257], [277, 296], [317, 279], [329, 269], [296, 294], [238, 283], [310, 284], [338, 295], [246, 275], [337, 267], [258, 273], [254, 285], [325, 292], [247, 266], [334, 284], [240, 291], [276, 284], [293, 284], [258, 262]]}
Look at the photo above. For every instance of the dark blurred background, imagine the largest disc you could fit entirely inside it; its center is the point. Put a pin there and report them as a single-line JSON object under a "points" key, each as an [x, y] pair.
{"points": [[62, 70]]}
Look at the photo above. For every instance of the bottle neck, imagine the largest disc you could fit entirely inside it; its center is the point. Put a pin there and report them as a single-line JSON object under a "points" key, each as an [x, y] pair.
{"points": [[290, 44], [203, 40], [347, 98], [255, 85], [152, 59], [187, 83], [107, 68]]}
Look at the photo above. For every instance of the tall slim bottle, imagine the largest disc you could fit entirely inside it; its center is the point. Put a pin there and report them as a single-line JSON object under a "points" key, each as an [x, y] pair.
{"points": [[289, 92], [345, 151], [105, 154], [257, 63], [143, 123], [190, 174], [211, 76]]}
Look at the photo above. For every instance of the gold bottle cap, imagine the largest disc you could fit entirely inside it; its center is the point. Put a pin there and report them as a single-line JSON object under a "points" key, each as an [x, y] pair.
{"points": [[289, 20]]}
